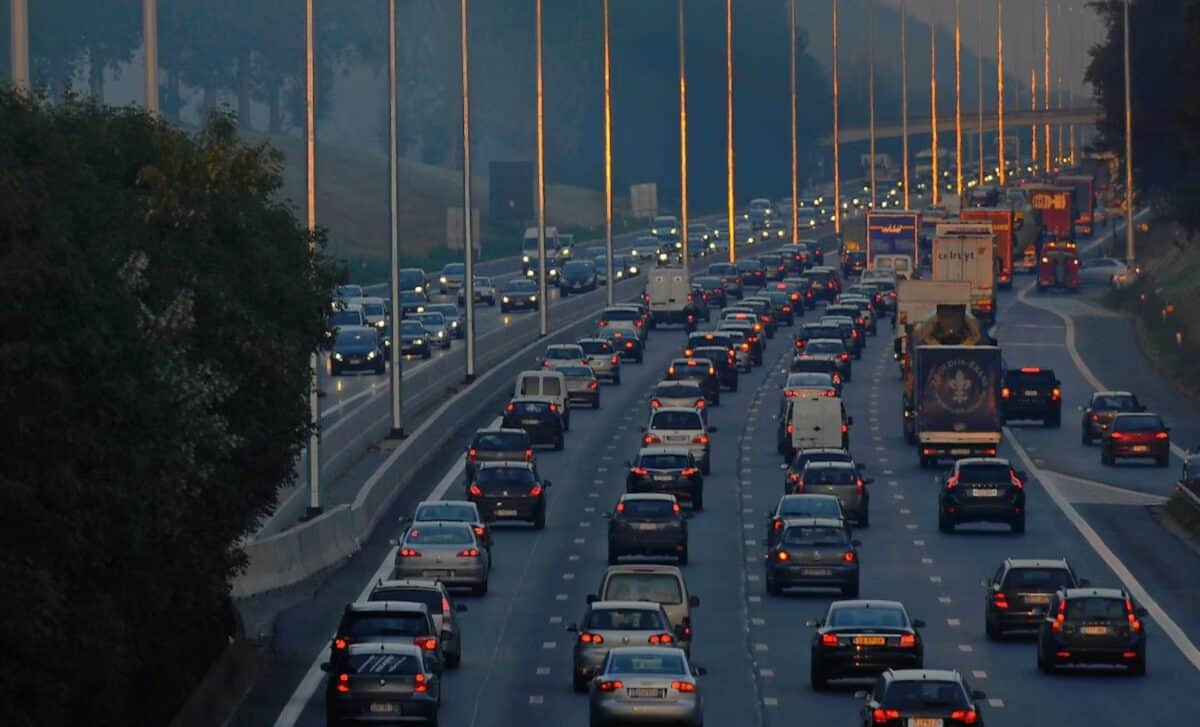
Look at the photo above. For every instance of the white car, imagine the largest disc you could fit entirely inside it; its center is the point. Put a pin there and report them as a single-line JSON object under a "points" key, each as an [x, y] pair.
{"points": [[1102, 271]]}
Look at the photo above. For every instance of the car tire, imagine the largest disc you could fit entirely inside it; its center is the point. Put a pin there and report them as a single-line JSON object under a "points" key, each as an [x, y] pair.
{"points": [[927, 462], [558, 442], [1018, 524], [539, 523], [865, 521], [453, 660], [1044, 666], [706, 468], [596, 403], [482, 588], [945, 524], [850, 591], [817, 679], [717, 397], [1138, 667], [735, 384], [773, 588], [566, 420]]}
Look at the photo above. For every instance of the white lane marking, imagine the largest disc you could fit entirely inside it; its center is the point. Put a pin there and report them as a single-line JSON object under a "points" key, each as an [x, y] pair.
{"points": [[752, 577], [995, 702], [935, 579], [542, 671], [758, 621], [751, 542], [568, 576], [760, 647], [556, 619], [580, 541], [770, 702], [766, 673], [979, 674], [1165, 622], [927, 561], [536, 699], [573, 557], [945, 600], [561, 597], [919, 543], [747, 526], [549, 644], [953, 622], [966, 648]]}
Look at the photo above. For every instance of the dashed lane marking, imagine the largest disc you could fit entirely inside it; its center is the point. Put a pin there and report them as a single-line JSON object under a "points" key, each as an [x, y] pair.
{"points": [[935, 579], [536, 699], [556, 619], [766, 673], [580, 541], [561, 597], [568, 576], [979, 674], [953, 622], [995, 702], [966, 648], [549, 644], [543, 671], [945, 600]]}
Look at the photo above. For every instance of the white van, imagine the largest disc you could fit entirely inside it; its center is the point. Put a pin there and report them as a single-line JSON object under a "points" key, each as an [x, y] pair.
{"points": [[668, 290], [546, 384], [813, 421]]}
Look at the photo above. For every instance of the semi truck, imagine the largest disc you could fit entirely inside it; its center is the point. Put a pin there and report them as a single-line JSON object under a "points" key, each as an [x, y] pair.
{"points": [[915, 301], [1057, 207], [1085, 201], [1003, 222], [1058, 267], [957, 401], [965, 251], [892, 233]]}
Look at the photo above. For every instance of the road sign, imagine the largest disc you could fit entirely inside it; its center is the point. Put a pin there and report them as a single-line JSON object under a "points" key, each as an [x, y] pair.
{"points": [[643, 199]]}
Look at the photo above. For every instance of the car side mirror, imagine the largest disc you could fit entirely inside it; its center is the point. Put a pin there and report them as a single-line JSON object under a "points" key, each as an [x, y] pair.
{"points": [[680, 632], [978, 694], [573, 628], [861, 694], [694, 601], [547, 484], [591, 598], [813, 623], [699, 671], [918, 623], [325, 666], [856, 543]]}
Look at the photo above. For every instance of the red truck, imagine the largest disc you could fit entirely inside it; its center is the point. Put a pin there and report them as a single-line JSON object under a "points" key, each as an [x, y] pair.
{"points": [[1058, 268], [1085, 200], [1057, 208], [1002, 221]]}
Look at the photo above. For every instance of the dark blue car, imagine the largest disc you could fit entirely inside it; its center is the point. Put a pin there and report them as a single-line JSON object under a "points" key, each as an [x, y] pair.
{"points": [[357, 348]]}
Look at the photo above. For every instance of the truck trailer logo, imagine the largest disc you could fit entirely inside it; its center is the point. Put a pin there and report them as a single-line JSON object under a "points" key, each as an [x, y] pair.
{"points": [[1050, 201], [959, 385]]}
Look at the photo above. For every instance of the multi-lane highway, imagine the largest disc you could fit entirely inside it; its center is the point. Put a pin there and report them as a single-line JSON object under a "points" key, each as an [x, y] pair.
{"points": [[517, 655]]}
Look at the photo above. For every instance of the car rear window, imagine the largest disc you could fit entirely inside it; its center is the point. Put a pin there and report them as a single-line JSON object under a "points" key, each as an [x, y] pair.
{"points": [[562, 353], [596, 347], [638, 619], [431, 597], [502, 477], [699, 368], [676, 420], [646, 508], [810, 507], [620, 315], [1114, 403], [664, 461], [814, 535], [366, 626], [1132, 423], [345, 318], [825, 345], [808, 379], [656, 587], [452, 513], [439, 534], [530, 407], [1044, 377], [707, 282], [722, 269], [715, 354], [748, 265], [501, 441], [577, 372], [984, 473], [1042, 578], [383, 664], [864, 617], [678, 391], [1094, 607], [919, 695], [665, 663], [823, 474], [814, 364]]}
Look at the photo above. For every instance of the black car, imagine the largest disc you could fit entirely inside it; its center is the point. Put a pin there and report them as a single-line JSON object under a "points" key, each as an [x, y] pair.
{"points": [[519, 295], [782, 308], [729, 276], [843, 481], [380, 679], [647, 524], [763, 309], [854, 263], [578, 276], [669, 470], [1092, 626], [752, 273], [700, 370], [1100, 410], [1137, 435], [509, 491], [540, 419], [774, 267], [796, 257], [412, 280], [752, 341], [402, 622], [707, 338], [412, 302], [982, 489], [850, 332], [814, 454], [809, 331], [859, 639], [835, 348], [1031, 393], [1020, 590], [813, 553], [819, 363], [825, 282], [848, 310], [629, 345], [414, 339], [724, 360], [340, 318], [357, 348], [903, 697], [791, 507], [713, 287], [498, 445]]}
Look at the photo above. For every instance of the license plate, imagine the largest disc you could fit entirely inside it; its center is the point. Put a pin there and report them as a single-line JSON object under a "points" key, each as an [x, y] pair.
{"points": [[960, 451], [1031, 392], [506, 513], [664, 478], [985, 492], [869, 641], [814, 571], [355, 360], [1038, 598], [531, 422], [383, 708], [1141, 448], [645, 692], [646, 526], [1094, 630], [924, 722]]}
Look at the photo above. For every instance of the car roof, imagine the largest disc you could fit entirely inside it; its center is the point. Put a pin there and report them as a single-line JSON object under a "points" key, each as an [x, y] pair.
{"points": [[562, 345], [683, 409], [627, 605], [1128, 414], [1112, 393], [385, 647], [806, 496], [867, 603], [530, 399], [499, 430], [663, 450], [1037, 563], [830, 464], [822, 521], [823, 450], [593, 339], [386, 607], [649, 496], [677, 382], [1095, 593], [982, 460], [414, 583], [650, 651], [921, 675], [505, 465], [644, 568]]}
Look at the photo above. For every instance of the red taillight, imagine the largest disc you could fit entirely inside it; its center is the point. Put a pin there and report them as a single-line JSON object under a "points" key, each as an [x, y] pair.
{"points": [[790, 394], [1060, 617], [545, 364], [670, 371], [427, 643], [479, 531], [854, 333], [615, 360], [446, 605], [859, 485], [474, 490], [603, 323], [777, 524], [1161, 435], [786, 309], [966, 716], [844, 357], [469, 553], [535, 491], [790, 429], [553, 408], [587, 638], [952, 482], [809, 294], [849, 556], [340, 644], [800, 344], [746, 347], [1116, 435], [830, 392], [511, 407], [1030, 370], [1005, 393], [829, 640], [610, 686], [1015, 481], [700, 403], [1000, 600], [908, 641], [420, 686], [655, 403], [689, 472], [593, 385], [685, 687], [1094, 417], [1134, 623], [782, 555], [472, 454], [702, 439], [637, 324], [1056, 393], [629, 345], [528, 455], [845, 428], [752, 339], [660, 639], [409, 553], [620, 507], [881, 716], [675, 507], [640, 471], [765, 319], [651, 439], [343, 683]]}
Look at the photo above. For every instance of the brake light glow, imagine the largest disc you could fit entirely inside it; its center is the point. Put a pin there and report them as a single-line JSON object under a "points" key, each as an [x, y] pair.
{"points": [[553, 408], [845, 428], [474, 490], [1005, 393], [339, 644], [1116, 435], [479, 530], [472, 454], [880, 716], [1030, 370], [469, 553], [1016, 481], [587, 638], [1161, 435], [858, 485], [746, 347], [671, 370], [686, 687], [593, 385], [829, 640], [844, 357], [777, 524], [511, 407], [419, 684], [610, 686], [1134, 623], [1000, 600], [952, 482], [629, 345], [1060, 617], [782, 555], [660, 639], [545, 364], [535, 491], [615, 360], [702, 439], [343, 683], [966, 716], [689, 472], [529, 455], [651, 439], [908, 641], [790, 429], [1056, 393], [427, 643], [699, 403], [849, 556]]}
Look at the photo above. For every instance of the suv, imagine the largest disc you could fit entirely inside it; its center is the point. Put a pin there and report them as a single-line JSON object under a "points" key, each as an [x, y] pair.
{"points": [[538, 417], [1092, 626], [670, 470], [662, 584], [730, 278], [917, 696], [701, 370], [843, 481], [791, 507], [510, 491], [1031, 393], [982, 489], [497, 445], [1020, 590], [405, 622], [815, 454], [435, 597], [650, 523], [724, 360]]}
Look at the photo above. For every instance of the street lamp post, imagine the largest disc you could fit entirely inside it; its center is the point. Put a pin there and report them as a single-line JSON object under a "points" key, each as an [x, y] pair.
{"points": [[729, 202], [543, 263], [468, 217], [958, 137], [310, 188], [904, 96], [18, 20], [608, 180], [795, 151], [397, 360], [979, 89], [937, 182], [150, 52], [1129, 256], [871, 91], [1000, 89], [683, 163], [1046, 83], [837, 157]]}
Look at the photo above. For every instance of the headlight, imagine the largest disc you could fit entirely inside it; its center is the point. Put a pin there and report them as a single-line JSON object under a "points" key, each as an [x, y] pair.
{"points": [[653, 230], [454, 324], [529, 273], [419, 289], [566, 252], [505, 299], [420, 309], [442, 280], [419, 341], [337, 356], [633, 270], [679, 245], [532, 298], [620, 273], [441, 334], [674, 230], [370, 355], [380, 323]]}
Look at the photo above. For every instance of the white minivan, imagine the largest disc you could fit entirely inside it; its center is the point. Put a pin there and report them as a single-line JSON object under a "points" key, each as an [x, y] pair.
{"points": [[669, 293], [813, 421], [547, 384]]}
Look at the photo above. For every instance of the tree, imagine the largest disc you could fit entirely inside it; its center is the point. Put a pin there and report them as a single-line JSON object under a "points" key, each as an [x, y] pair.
{"points": [[72, 35], [159, 305], [1166, 121]]}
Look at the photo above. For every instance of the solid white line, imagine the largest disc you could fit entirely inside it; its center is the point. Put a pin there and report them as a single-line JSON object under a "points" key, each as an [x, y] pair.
{"points": [[1165, 622]]}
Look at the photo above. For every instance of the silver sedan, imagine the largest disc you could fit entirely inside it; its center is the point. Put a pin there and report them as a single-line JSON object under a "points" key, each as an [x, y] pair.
{"points": [[445, 551], [646, 685], [439, 330]]}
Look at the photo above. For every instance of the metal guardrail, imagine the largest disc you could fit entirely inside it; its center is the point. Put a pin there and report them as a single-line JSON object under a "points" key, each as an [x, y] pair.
{"points": [[1189, 493]]}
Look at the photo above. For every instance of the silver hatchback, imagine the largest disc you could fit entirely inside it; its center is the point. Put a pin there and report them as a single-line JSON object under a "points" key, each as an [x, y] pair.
{"points": [[445, 551], [609, 624], [647, 685]]}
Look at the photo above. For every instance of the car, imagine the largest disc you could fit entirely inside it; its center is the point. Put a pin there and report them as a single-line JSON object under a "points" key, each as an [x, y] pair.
{"points": [[811, 383], [582, 384], [357, 348], [678, 393], [483, 290], [803, 287], [825, 282], [1137, 434], [375, 312], [843, 481], [455, 321], [821, 363], [850, 331], [608, 623], [412, 280], [801, 506], [451, 278], [412, 302], [533, 267], [724, 360], [645, 247], [752, 343], [1017, 594], [437, 599], [1092, 626], [857, 639], [812, 331], [762, 307], [744, 233], [648, 524], [742, 360], [667, 470], [795, 256], [982, 489], [713, 287], [414, 339], [679, 426], [625, 266], [866, 309], [664, 227], [851, 312], [510, 491], [497, 445], [539, 417], [834, 348], [458, 511], [519, 295], [665, 675], [386, 622], [563, 354], [662, 584], [1101, 270], [746, 315], [578, 276], [813, 553], [436, 325], [627, 317], [343, 317], [915, 697], [752, 272], [782, 307], [774, 267], [624, 340], [446, 550], [388, 678], [697, 339], [602, 358], [547, 384], [700, 231], [729, 276], [1100, 410], [344, 294], [700, 370], [1031, 392]]}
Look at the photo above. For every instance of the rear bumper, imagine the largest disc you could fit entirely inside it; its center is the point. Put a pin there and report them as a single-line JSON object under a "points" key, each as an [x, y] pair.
{"points": [[957, 450], [794, 574], [982, 510], [1031, 408], [1128, 450], [648, 542], [850, 662]]}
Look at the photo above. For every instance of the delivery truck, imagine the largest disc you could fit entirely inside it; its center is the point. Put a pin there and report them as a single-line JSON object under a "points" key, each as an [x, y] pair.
{"points": [[1057, 207], [957, 401], [892, 233], [966, 251], [1085, 201], [1003, 224]]}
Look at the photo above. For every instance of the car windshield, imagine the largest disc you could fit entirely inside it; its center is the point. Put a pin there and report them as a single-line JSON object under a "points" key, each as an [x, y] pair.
{"points": [[454, 269], [373, 309], [440, 534], [1129, 422], [803, 506], [809, 379], [645, 242], [749, 265], [449, 310], [916, 695], [483, 282], [814, 535], [446, 511], [620, 619], [676, 420], [657, 587], [356, 338], [500, 441], [596, 347], [522, 286], [502, 477], [431, 319], [411, 328], [411, 278], [867, 617], [824, 474], [645, 663], [825, 345], [411, 297], [639, 508], [578, 267], [370, 626], [577, 372], [1114, 402], [1041, 578], [383, 664], [814, 332], [707, 281], [349, 291], [722, 269], [664, 461], [620, 314], [431, 597], [346, 318], [1095, 608], [562, 353], [984, 473]]}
